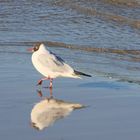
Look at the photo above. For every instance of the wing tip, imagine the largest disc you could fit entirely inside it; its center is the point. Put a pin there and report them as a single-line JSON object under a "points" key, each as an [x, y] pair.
{"points": [[81, 73]]}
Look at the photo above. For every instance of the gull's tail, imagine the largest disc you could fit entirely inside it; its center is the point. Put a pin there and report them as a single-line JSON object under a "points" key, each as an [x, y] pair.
{"points": [[81, 73]]}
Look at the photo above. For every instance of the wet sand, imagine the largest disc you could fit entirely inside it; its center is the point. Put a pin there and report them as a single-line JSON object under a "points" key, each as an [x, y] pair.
{"points": [[112, 110], [101, 38]]}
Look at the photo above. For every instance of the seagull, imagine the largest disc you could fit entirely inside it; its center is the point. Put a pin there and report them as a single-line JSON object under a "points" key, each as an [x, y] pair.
{"points": [[50, 65]]}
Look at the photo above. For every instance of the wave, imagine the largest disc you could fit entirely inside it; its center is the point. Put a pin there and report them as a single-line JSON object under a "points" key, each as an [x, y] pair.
{"points": [[129, 3], [77, 47], [80, 9]]}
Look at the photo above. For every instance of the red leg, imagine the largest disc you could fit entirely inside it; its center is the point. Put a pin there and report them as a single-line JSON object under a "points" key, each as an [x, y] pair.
{"points": [[51, 94], [51, 83], [41, 81]]}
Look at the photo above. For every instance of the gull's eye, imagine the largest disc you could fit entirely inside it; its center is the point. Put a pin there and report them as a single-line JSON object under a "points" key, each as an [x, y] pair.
{"points": [[36, 48]]}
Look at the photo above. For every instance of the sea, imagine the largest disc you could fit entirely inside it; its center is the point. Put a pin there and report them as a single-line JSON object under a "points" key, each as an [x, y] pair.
{"points": [[98, 37]]}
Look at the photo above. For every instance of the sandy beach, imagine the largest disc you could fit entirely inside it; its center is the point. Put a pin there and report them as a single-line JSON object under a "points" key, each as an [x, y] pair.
{"points": [[112, 110]]}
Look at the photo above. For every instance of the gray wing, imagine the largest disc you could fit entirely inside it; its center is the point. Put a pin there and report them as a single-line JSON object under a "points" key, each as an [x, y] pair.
{"points": [[54, 63], [58, 60]]}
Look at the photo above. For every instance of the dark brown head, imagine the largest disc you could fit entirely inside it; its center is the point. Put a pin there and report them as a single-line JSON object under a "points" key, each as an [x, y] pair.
{"points": [[35, 47]]}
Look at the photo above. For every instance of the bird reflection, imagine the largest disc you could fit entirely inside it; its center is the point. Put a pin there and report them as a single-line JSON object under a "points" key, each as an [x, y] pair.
{"points": [[40, 94], [49, 110]]}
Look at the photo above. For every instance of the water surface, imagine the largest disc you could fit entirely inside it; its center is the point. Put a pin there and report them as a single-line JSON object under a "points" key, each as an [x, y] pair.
{"points": [[101, 38], [98, 37]]}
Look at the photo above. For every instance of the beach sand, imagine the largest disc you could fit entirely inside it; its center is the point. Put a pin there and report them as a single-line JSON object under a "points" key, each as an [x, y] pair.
{"points": [[111, 112]]}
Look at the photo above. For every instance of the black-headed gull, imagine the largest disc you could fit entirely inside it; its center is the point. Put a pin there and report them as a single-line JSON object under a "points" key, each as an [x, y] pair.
{"points": [[50, 65]]}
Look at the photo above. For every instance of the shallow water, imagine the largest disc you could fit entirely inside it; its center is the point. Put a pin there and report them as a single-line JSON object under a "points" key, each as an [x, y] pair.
{"points": [[97, 37], [112, 108]]}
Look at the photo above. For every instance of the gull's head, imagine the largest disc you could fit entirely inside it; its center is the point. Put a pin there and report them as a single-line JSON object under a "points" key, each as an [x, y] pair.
{"points": [[36, 47]]}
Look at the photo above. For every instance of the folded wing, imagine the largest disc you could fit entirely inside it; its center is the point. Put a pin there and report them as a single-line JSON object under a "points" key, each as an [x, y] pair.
{"points": [[54, 63]]}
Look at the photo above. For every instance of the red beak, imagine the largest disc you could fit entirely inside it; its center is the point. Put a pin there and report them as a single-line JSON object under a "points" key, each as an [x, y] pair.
{"points": [[30, 49]]}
